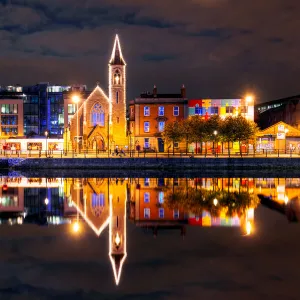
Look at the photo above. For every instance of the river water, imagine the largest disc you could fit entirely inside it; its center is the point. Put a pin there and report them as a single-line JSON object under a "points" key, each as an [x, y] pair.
{"points": [[149, 238]]}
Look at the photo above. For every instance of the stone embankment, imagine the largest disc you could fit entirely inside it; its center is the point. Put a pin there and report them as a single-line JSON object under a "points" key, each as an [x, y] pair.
{"points": [[200, 164]]}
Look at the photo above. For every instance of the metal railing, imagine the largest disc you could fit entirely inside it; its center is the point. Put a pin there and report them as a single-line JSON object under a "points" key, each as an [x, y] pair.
{"points": [[279, 153]]}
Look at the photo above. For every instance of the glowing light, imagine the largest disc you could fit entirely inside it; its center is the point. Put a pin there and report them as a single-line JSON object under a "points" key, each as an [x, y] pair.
{"points": [[215, 202], [20, 220], [117, 240], [117, 79], [286, 200], [215, 132], [46, 201], [75, 98], [76, 227], [249, 98], [248, 228]]}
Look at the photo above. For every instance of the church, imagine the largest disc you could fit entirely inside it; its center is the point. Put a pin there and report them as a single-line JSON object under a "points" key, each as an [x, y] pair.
{"points": [[99, 123]]}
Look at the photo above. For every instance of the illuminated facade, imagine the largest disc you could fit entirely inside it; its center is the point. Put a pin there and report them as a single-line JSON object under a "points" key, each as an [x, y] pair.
{"points": [[221, 107], [102, 203], [100, 122], [148, 116]]}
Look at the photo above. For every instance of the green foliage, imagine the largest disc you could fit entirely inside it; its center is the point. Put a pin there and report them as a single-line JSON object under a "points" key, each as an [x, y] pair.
{"points": [[196, 200]]}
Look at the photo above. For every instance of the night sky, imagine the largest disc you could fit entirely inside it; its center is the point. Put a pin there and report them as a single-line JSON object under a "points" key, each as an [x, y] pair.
{"points": [[210, 263], [217, 48]]}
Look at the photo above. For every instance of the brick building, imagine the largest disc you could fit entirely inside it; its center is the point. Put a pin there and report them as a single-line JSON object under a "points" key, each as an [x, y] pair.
{"points": [[149, 114]]}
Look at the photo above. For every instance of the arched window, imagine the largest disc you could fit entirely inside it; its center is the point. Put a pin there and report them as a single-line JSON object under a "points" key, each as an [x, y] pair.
{"points": [[97, 115], [117, 97], [98, 203], [117, 77]]}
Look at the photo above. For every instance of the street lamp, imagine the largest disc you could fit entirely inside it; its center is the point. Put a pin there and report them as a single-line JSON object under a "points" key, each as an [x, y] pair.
{"points": [[46, 135], [285, 131], [249, 99], [215, 134], [76, 99]]}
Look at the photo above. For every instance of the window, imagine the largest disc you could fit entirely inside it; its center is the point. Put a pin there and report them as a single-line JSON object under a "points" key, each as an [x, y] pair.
{"points": [[147, 197], [176, 110], [229, 109], [214, 110], [117, 97], [146, 126], [147, 182], [147, 213], [98, 117], [71, 108], [146, 111], [161, 213], [161, 111], [146, 143], [118, 120], [161, 126], [161, 197], [198, 110], [176, 213], [98, 200], [9, 108], [9, 131], [9, 120]]}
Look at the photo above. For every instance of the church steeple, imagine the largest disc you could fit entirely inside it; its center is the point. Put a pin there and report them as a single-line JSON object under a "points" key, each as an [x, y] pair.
{"points": [[116, 56]]}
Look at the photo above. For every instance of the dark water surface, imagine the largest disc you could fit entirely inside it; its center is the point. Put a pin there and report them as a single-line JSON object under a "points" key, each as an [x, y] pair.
{"points": [[149, 238]]}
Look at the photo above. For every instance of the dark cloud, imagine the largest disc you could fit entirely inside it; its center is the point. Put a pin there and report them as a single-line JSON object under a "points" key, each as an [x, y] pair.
{"points": [[217, 48]]}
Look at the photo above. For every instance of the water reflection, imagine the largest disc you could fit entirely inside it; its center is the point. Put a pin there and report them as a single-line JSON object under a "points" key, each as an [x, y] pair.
{"points": [[154, 204]]}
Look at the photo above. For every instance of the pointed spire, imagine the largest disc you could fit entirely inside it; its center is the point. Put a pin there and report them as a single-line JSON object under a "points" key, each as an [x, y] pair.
{"points": [[116, 56], [117, 261]]}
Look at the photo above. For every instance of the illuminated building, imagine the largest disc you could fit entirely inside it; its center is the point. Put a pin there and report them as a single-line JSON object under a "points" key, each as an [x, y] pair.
{"points": [[286, 110], [102, 203], [279, 136], [43, 107], [222, 107], [149, 114], [102, 118]]}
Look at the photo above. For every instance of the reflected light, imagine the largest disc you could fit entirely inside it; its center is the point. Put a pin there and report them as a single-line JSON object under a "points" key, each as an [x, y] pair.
{"points": [[117, 240], [76, 227], [286, 199], [46, 201], [248, 228]]}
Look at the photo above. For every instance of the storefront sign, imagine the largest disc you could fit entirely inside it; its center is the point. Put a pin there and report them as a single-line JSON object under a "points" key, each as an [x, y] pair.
{"points": [[280, 128], [280, 136]]}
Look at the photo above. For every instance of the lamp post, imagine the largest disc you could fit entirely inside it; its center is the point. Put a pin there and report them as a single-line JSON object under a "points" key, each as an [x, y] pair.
{"points": [[215, 134], [46, 135], [285, 131], [249, 99], [76, 99]]}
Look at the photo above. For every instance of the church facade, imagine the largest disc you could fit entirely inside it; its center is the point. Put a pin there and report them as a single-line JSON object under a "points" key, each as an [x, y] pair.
{"points": [[100, 121]]}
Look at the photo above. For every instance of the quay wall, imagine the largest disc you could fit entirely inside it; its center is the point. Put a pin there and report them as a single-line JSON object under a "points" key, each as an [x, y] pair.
{"points": [[214, 164]]}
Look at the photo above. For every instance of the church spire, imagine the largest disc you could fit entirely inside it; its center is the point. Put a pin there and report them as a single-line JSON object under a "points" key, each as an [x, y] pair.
{"points": [[116, 56]]}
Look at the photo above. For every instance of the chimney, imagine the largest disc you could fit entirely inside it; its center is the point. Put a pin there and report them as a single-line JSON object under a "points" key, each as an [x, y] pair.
{"points": [[154, 91], [183, 91]]}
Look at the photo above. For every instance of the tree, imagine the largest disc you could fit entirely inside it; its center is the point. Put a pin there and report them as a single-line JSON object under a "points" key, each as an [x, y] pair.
{"points": [[197, 125], [187, 132], [213, 124], [173, 133], [227, 131]]}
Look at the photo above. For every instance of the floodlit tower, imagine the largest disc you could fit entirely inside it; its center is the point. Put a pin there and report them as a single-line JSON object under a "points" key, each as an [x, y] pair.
{"points": [[117, 94]]}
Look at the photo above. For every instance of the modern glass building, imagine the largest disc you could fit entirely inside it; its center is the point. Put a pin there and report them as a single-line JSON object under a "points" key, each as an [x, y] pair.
{"points": [[43, 106]]}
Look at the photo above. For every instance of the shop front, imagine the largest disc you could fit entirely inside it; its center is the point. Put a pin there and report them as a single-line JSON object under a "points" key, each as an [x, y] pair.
{"points": [[279, 136]]}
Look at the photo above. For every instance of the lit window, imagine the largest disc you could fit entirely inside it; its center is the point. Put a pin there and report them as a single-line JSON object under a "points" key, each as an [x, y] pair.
{"points": [[161, 126], [229, 109], [161, 213], [147, 213], [146, 143], [146, 126], [161, 197], [176, 110], [146, 197], [147, 182], [98, 117], [146, 111], [176, 213], [71, 108], [161, 111], [198, 110], [214, 110]]}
